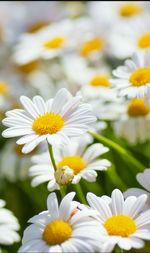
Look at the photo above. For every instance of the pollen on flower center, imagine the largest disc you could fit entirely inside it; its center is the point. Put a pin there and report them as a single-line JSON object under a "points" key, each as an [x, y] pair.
{"points": [[100, 80], [3, 88], [54, 43], [88, 47], [57, 232], [76, 163], [49, 123], [144, 40], [130, 9], [120, 225], [140, 77], [137, 108]]}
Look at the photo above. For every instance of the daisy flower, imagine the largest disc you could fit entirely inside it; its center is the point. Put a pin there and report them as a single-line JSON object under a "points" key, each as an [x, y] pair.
{"points": [[126, 39], [143, 180], [54, 120], [118, 11], [125, 222], [48, 43], [94, 42], [73, 162], [8, 226], [133, 124], [133, 79], [61, 228]]}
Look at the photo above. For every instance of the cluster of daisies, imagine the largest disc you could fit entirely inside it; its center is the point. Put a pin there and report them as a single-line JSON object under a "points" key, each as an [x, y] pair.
{"points": [[80, 74]]}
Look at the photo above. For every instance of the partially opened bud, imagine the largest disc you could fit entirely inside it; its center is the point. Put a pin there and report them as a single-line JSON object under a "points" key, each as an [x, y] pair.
{"points": [[64, 175]]}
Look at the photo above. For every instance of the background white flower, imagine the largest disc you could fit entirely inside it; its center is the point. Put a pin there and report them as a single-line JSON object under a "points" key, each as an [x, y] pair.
{"points": [[82, 160], [8, 226]]}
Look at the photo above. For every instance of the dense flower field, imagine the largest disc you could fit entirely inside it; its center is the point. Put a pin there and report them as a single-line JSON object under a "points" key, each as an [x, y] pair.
{"points": [[75, 126]]}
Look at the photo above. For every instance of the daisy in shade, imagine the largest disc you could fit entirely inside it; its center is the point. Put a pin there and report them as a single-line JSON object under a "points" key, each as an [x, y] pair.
{"points": [[73, 162], [8, 226], [143, 180], [133, 123], [61, 228], [125, 222], [54, 120], [133, 79]]}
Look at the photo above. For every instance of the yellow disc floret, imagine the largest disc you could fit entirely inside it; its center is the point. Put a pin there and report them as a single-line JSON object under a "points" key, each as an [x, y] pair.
{"points": [[130, 9], [100, 80], [90, 46], [140, 77], [120, 225], [76, 163], [144, 41], [137, 108], [54, 43], [49, 123], [3, 88], [56, 232]]}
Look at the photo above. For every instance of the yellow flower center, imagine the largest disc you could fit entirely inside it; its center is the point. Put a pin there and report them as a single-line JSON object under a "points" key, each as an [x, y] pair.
{"points": [[37, 26], [130, 9], [49, 123], [57, 232], [140, 77], [137, 108], [76, 163], [120, 225], [144, 41], [3, 88], [29, 67], [90, 46], [54, 43], [100, 80]]}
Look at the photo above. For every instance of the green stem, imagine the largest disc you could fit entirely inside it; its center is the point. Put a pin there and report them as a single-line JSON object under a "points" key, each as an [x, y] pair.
{"points": [[80, 193], [62, 191], [127, 156], [50, 149]]}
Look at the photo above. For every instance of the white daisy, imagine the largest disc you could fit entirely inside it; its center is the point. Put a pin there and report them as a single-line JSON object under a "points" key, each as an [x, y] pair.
{"points": [[133, 124], [133, 79], [8, 226], [143, 180], [127, 39], [61, 228], [48, 43], [94, 43], [124, 221], [54, 120], [82, 162], [118, 11]]}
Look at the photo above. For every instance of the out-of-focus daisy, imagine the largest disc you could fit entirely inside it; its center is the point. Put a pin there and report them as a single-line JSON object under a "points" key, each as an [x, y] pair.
{"points": [[134, 123], [8, 226], [125, 222], [61, 228], [20, 163], [143, 180], [55, 120], [126, 39], [133, 79], [73, 162], [48, 43], [94, 42], [118, 11]]}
